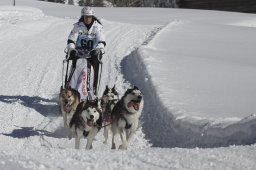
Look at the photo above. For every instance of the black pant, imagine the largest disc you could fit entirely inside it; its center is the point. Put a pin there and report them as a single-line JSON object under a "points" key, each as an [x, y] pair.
{"points": [[96, 65]]}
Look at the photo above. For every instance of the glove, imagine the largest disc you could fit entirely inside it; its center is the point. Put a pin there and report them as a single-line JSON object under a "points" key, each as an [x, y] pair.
{"points": [[72, 54], [95, 53]]}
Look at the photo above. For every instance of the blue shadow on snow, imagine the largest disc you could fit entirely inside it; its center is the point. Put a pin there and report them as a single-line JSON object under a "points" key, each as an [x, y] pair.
{"points": [[45, 107]]}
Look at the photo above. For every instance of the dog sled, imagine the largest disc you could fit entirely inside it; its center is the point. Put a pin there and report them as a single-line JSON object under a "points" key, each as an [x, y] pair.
{"points": [[90, 86], [85, 117], [72, 105]]}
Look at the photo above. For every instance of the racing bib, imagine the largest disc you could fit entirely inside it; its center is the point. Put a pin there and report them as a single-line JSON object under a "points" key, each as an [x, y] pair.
{"points": [[85, 43]]}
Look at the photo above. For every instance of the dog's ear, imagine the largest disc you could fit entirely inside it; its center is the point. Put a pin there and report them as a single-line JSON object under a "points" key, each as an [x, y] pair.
{"points": [[80, 107], [127, 92], [61, 88], [136, 88], [114, 90], [107, 87], [84, 104], [96, 100], [69, 88]]}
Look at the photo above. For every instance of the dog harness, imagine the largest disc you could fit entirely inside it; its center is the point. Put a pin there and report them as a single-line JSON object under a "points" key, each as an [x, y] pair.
{"points": [[107, 112]]}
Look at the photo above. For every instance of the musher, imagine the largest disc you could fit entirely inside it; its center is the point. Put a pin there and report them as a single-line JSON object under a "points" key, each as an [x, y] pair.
{"points": [[85, 47]]}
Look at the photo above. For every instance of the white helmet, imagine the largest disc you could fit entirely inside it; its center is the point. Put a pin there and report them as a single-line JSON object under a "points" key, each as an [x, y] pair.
{"points": [[87, 11]]}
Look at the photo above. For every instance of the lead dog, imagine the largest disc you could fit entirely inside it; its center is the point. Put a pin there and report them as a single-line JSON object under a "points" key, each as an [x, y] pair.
{"points": [[125, 116], [109, 99], [86, 122], [68, 101]]}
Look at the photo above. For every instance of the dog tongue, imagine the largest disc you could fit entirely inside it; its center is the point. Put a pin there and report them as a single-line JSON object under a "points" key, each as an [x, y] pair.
{"points": [[90, 123], [135, 105], [67, 108]]}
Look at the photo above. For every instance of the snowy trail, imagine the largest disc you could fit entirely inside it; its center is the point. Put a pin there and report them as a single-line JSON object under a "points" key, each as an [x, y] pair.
{"points": [[34, 78], [35, 62]]}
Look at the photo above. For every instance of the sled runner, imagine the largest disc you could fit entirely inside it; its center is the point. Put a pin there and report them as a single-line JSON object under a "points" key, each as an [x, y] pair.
{"points": [[94, 67]]}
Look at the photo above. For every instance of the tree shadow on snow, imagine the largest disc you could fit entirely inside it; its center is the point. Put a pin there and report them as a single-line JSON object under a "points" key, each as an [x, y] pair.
{"points": [[46, 107], [25, 132]]}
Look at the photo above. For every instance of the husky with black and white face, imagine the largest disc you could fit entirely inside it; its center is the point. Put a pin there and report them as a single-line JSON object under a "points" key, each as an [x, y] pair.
{"points": [[125, 116], [86, 122], [109, 99]]}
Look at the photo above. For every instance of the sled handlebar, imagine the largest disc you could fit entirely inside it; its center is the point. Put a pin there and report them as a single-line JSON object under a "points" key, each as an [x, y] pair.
{"points": [[89, 56]]}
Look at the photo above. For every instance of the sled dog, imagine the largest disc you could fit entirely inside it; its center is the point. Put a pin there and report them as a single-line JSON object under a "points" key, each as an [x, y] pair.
{"points": [[86, 122], [68, 101], [125, 116], [109, 99]]}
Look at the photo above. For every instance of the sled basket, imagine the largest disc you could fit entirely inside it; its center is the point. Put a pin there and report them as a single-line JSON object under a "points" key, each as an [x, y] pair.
{"points": [[68, 70]]}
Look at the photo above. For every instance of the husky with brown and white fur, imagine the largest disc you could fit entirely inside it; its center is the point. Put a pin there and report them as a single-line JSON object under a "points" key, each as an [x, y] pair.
{"points": [[86, 122], [125, 116], [68, 101], [109, 99]]}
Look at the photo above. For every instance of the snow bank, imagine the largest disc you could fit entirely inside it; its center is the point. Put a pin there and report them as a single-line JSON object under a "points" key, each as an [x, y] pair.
{"points": [[164, 128]]}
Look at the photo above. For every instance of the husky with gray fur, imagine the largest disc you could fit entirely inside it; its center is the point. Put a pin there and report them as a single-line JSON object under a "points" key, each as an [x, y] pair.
{"points": [[68, 101], [86, 122], [125, 116], [109, 99]]}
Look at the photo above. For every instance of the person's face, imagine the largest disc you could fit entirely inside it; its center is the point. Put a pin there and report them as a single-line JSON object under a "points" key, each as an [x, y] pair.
{"points": [[87, 19]]}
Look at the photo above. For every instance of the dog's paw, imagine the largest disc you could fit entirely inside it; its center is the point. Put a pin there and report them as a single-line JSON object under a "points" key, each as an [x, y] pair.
{"points": [[123, 147], [65, 125], [69, 135], [113, 146], [88, 147]]}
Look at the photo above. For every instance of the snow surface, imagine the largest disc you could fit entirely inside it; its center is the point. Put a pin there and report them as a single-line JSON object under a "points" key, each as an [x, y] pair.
{"points": [[196, 70]]}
